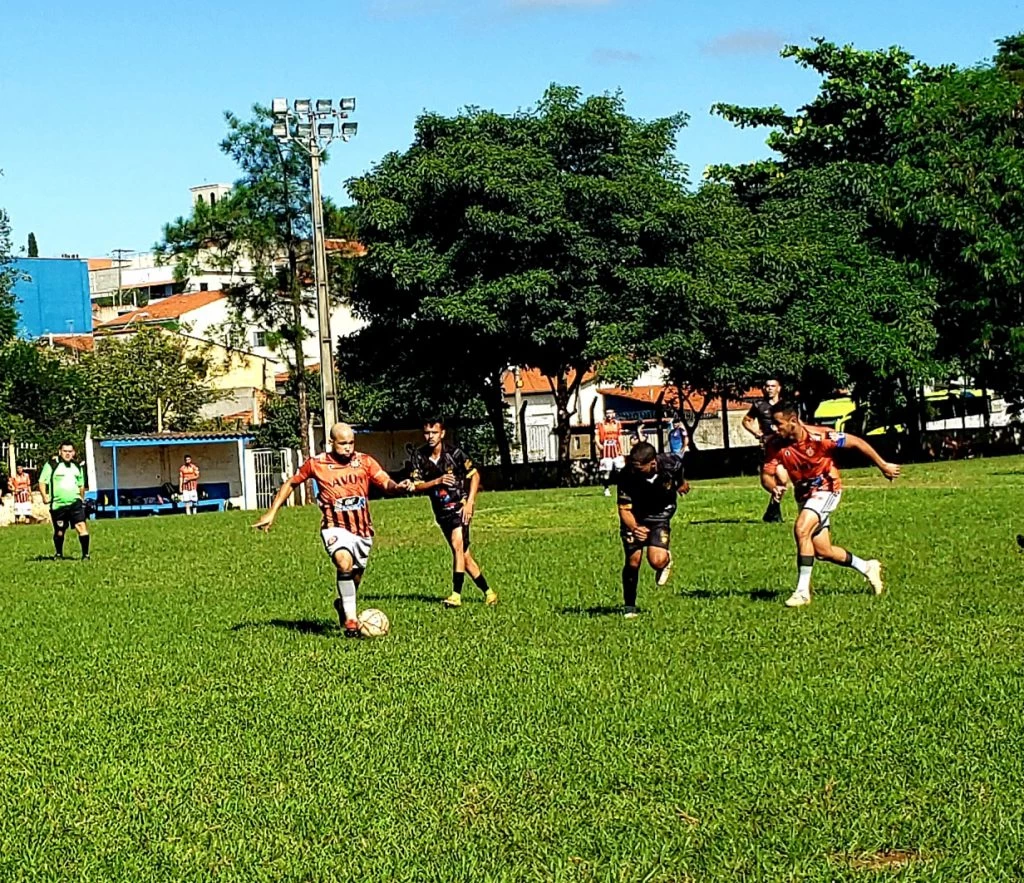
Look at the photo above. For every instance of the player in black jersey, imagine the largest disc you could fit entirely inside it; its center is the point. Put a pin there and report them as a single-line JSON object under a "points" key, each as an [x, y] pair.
{"points": [[758, 422], [451, 479], [647, 501]]}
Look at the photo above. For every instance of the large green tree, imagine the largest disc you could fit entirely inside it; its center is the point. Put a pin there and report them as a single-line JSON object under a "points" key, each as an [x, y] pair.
{"points": [[144, 381], [261, 234], [525, 239], [857, 309], [8, 275], [42, 399], [957, 194]]}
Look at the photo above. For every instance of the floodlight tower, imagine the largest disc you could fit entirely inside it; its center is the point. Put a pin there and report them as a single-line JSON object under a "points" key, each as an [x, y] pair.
{"points": [[312, 126]]}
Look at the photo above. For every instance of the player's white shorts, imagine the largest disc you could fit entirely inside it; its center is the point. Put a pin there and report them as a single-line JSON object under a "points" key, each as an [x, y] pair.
{"points": [[190, 496], [337, 538], [823, 504], [610, 463], [23, 510]]}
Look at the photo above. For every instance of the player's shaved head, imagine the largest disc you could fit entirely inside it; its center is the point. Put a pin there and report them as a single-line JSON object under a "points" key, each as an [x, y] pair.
{"points": [[786, 409], [342, 432]]}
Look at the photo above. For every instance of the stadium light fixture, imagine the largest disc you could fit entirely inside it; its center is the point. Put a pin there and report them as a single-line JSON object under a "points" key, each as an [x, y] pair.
{"points": [[324, 105], [348, 130], [303, 105], [347, 104], [279, 106]]}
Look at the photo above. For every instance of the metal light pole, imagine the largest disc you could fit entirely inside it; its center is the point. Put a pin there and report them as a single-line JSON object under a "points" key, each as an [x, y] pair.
{"points": [[312, 126]]}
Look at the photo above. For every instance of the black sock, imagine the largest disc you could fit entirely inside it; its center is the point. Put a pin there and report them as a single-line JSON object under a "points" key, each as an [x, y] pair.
{"points": [[630, 578], [457, 580], [481, 582], [58, 543], [84, 540]]}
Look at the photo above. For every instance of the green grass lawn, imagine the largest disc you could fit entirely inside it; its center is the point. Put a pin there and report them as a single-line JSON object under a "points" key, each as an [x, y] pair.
{"points": [[184, 707]]}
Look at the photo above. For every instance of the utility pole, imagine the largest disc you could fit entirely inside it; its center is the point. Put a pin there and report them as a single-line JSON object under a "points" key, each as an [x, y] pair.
{"points": [[119, 254], [312, 129]]}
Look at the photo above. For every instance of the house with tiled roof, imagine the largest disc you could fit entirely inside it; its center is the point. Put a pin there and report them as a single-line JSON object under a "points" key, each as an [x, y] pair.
{"points": [[530, 399]]}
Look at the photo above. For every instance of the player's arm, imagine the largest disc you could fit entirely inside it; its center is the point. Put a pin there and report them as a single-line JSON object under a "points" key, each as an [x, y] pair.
{"points": [[386, 483], [469, 507], [283, 493], [774, 477], [44, 483], [751, 425], [889, 470]]}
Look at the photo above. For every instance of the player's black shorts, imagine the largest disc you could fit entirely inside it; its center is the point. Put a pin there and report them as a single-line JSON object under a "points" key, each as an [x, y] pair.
{"points": [[449, 521], [68, 516], [659, 534]]}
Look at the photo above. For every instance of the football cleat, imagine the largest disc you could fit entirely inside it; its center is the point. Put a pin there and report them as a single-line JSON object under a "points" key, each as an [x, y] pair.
{"points": [[352, 628], [798, 599], [453, 600], [490, 597], [630, 613], [607, 492], [874, 575]]}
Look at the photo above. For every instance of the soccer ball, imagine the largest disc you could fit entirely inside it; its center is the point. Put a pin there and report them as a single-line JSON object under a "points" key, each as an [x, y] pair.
{"points": [[374, 623]]}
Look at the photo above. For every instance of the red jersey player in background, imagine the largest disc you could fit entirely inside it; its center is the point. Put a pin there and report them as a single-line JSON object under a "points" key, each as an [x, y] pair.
{"points": [[188, 485], [343, 477], [803, 454], [609, 440], [20, 484]]}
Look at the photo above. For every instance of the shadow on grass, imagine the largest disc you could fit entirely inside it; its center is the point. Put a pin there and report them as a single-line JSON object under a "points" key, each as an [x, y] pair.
{"points": [[304, 626], [753, 595], [590, 611], [727, 521], [400, 596], [46, 558]]}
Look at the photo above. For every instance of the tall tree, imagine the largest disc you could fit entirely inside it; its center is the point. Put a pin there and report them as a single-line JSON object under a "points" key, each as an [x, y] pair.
{"points": [[8, 275], [33, 246], [42, 400], [143, 380], [957, 194], [261, 234], [524, 239]]}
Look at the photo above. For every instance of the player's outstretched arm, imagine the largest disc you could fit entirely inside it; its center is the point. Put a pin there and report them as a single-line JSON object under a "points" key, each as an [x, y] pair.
{"points": [[889, 470], [283, 493]]}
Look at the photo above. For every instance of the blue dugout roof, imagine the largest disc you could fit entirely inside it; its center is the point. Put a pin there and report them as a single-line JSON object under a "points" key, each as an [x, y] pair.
{"points": [[159, 439]]}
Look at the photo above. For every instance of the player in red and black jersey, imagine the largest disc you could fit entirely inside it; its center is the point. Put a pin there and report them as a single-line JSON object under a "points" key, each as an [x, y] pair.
{"points": [[449, 476], [648, 487], [343, 477], [802, 454]]}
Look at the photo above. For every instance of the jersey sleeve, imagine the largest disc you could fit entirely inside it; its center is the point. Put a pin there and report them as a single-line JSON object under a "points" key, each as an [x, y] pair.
{"points": [[376, 472], [624, 497], [80, 478], [772, 456], [753, 413], [834, 440], [46, 475], [304, 474], [464, 462]]}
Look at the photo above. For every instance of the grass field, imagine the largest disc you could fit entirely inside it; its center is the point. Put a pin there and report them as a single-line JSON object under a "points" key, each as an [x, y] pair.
{"points": [[184, 707]]}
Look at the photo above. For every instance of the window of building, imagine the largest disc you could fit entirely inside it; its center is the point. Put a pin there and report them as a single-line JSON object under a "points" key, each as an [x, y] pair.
{"points": [[213, 199], [259, 338], [204, 286]]}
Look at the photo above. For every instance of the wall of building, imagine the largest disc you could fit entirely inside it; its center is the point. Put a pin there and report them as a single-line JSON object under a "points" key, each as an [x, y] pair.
{"points": [[54, 298]]}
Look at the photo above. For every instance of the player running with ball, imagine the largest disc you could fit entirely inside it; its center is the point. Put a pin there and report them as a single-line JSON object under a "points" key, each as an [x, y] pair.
{"points": [[803, 454], [343, 477]]}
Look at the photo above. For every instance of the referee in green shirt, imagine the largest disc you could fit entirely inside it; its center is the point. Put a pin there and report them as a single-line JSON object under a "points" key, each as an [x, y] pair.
{"points": [[62, 485]]}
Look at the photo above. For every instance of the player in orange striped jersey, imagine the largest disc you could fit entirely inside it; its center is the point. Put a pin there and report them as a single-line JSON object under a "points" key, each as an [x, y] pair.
{"points": [[803, 454], [343, 477], [20, 484]]}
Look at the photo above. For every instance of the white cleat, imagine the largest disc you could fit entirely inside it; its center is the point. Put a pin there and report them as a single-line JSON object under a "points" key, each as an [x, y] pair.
{"points": [[798, 599], [874, 575], [607, 492], [664, 573]]}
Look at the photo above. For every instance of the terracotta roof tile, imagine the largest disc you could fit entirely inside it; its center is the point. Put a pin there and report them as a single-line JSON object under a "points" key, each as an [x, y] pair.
{"points": [[173, 307], [534, 382]]}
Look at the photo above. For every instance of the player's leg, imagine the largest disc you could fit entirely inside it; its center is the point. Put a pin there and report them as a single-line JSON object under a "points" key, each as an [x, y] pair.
{"points": [[606, 474], [773, 514], [348, 579], [826, 550], [659, 555], [634, 552], [59, 527], [475, 573], [453, 534], [807, 523], [82, 529]]}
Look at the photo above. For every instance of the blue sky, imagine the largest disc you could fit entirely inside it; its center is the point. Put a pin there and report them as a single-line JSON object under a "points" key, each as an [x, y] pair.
{"points": [[112, 110]]}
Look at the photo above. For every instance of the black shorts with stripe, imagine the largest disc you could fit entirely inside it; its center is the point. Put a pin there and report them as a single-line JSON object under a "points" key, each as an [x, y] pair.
{"points": [[64, 517], [659, 535], [451, 521]]}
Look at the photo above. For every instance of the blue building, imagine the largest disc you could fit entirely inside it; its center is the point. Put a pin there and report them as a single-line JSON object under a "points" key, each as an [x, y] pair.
{"points": [[54, 298]]}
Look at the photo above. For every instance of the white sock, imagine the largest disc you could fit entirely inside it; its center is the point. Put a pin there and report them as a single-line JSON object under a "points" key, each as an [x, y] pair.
{"points": [[859, 564], [803, 581], [347, 593]]}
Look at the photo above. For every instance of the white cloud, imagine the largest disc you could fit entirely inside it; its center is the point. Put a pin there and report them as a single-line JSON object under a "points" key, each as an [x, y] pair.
{"points": [[753, 41], [615, 56]]}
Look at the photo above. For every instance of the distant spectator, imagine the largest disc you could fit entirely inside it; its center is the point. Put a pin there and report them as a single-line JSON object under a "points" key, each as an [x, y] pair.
{"points": [[678, 438], [20, 484], [188, 476]]}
